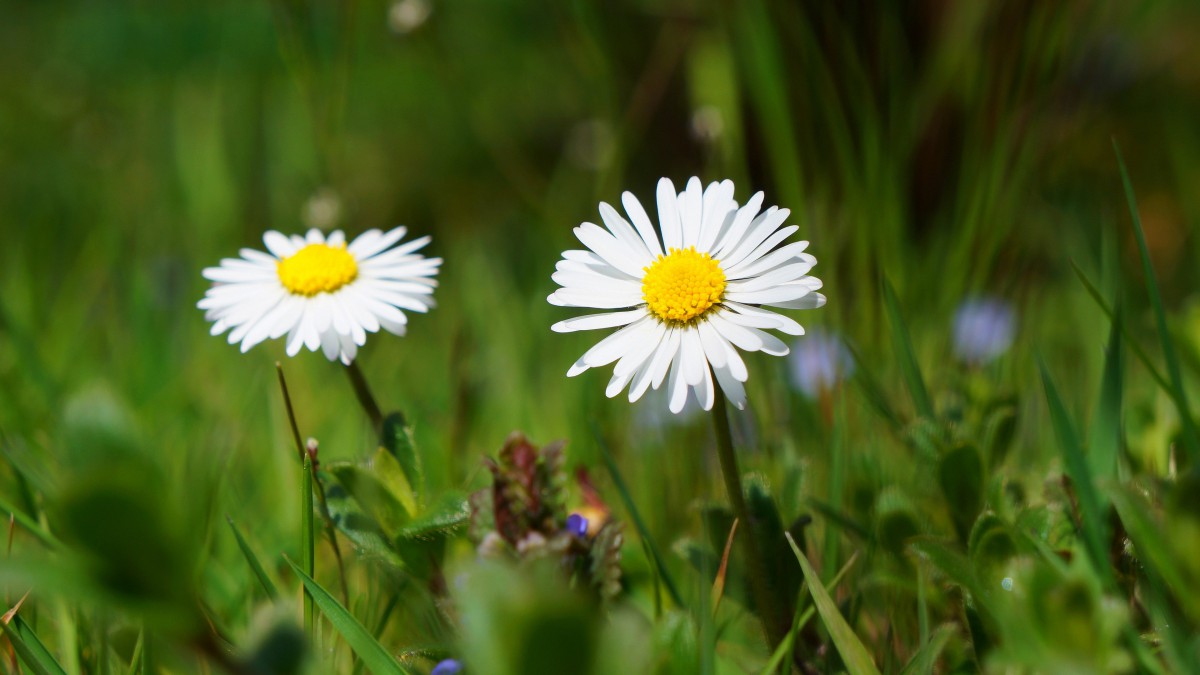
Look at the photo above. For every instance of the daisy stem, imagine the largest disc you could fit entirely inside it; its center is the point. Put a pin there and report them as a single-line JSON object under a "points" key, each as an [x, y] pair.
{"points": [[759, 582], [365, 398]]}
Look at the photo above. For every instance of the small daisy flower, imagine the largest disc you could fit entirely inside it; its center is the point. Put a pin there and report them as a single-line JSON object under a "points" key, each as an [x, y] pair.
{"points": [[819, 362], [690, 300], [320, 292], [983, 329]]}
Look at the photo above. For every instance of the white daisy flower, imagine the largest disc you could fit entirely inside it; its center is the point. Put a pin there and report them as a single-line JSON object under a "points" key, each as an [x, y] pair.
{"points": [[689, 300], [319, 291]]}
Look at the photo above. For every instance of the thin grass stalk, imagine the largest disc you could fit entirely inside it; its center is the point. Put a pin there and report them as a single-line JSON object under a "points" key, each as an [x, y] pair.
{"points": [[765, 600], [307, 548]]}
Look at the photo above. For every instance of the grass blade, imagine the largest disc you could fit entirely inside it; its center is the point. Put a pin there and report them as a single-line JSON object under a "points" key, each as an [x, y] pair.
{"points": [[924, 661], [30, 649], [1105, 432], [1092, 521], [1133, 344], [1191, 439], [902, 344], [379, 660], [644, 533], [803, 614], [30, 525], [252, 560], [854, 654], [718, 587]]}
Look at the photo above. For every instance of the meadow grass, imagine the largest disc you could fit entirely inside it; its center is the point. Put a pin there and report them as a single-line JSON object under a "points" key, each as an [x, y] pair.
{"points": [[922, 512]]}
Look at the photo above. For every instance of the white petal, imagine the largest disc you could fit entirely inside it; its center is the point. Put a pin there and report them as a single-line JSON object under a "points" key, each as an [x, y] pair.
{"points": [[314, 236], [768, 318], [663, 358], [330, 345], [278, 244], [714, 345], [771, 296], [776, 277], [570, 297], [810, 301], [336, 238], [608, 247], [692, 354], [719, 210], [595, 282], [740, 336], [668, 215], [753, 267], [705, 392], [623, 231], [610, 348], [676, 387], [737, 229], [734, 391], [691, 211], [763, 227], [642, 222], [594, 321], [371, 242]]}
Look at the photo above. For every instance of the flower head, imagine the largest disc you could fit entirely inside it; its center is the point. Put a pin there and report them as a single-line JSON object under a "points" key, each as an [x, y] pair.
{"points": [[983, 329], [690, 299], [447, 667], [320, 292], [819, 362]]}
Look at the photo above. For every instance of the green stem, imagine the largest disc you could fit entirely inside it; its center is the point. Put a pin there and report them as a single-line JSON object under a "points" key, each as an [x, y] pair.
{"points": [[768, 607], [363, 392], [307, 548]]}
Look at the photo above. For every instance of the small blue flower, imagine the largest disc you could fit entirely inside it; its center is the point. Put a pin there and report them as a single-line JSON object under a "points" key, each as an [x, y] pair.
{"points": [[447, 667], [983, 329], [818, 361], [577, 525]]}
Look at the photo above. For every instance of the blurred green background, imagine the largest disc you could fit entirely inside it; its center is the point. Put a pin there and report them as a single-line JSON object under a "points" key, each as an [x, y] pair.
{"points": [[959, 148]]}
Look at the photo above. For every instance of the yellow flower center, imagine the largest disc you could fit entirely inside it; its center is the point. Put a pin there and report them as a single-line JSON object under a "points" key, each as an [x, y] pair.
{"points": [[683, 285], [317, 268]]}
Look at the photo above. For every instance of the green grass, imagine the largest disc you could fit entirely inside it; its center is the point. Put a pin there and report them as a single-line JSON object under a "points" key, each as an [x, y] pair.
{"points": [[1036, 513]]}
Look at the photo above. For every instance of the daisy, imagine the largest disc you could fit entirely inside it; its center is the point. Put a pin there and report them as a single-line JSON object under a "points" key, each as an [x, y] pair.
{"points": [[690, 300], [320, 292]]}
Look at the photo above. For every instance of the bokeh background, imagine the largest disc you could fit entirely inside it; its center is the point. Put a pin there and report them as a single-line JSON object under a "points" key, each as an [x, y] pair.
{"points": [[961, 149]]}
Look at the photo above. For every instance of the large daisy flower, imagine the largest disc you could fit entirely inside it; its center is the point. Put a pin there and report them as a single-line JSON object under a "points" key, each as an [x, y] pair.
{"points": [[319, 291], [691, 300]]}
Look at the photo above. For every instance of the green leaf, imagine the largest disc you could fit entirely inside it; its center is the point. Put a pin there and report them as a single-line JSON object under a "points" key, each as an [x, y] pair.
{"points": [[902, 344], [854, 654], [360, 528], [389, 472], [924, 661], [1105, 432], [252, 560], [397, 437], [448, 514], [30, 649], [1092, 514], [379, 660], [1191, 439], [961, 474], [372, 494]]}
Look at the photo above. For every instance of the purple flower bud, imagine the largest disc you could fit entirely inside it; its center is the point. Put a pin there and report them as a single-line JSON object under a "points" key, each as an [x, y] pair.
{"points": [[818, 361], [983, 329], [447, 667], [577, 525]]}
